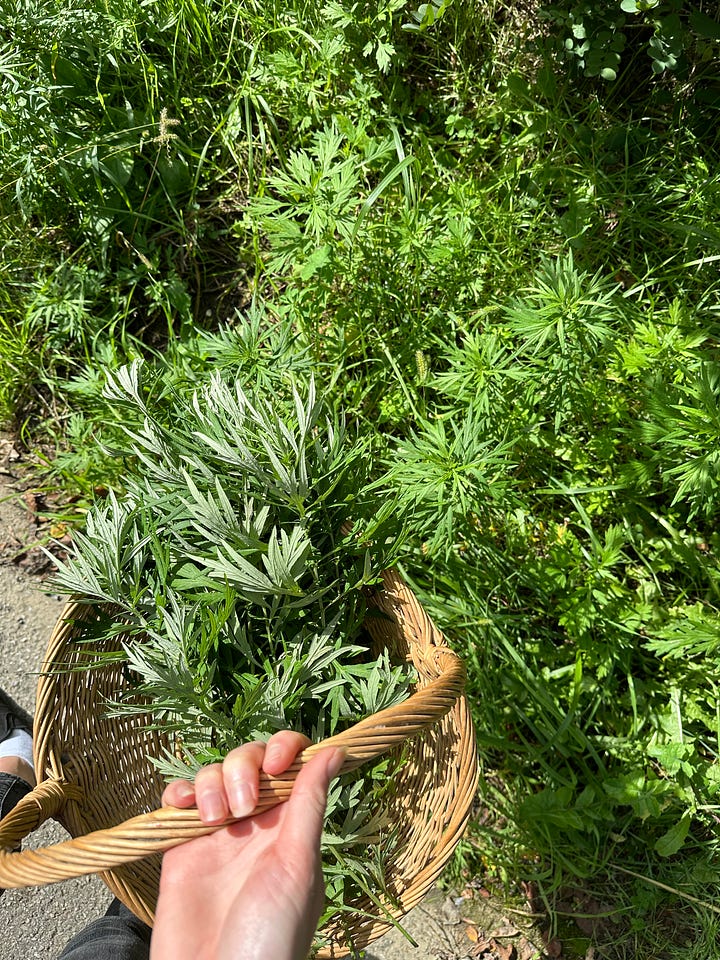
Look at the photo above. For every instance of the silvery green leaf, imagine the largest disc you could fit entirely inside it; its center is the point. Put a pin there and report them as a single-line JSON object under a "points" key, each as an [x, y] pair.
{"points": [[286, 559], [124, 384]]}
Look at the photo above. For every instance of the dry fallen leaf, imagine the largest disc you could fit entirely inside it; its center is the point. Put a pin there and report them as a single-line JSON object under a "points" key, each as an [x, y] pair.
{"points": [[526, 950], [504, 952], [32, 501], [532, 895], [472, 933], [554, 948], [8, 455]]}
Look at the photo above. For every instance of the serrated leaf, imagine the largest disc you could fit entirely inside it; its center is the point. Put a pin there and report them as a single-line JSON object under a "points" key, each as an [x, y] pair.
{"points": [[317, 259]]}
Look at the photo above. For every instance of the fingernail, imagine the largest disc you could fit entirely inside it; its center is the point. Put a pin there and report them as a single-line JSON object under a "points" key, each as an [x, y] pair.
{"points": [[185, 790], [242, 798], [211, 807]]}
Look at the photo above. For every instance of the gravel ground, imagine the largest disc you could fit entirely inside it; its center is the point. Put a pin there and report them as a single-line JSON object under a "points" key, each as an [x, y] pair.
{"points": [[38, 922]]}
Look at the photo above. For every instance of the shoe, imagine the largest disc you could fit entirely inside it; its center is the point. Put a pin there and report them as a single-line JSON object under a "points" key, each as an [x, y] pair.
{"points": [[13, 717]]}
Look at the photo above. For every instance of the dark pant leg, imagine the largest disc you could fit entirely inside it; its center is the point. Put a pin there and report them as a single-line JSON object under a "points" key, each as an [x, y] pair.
{"points": [[12, 790], [119, 935]]}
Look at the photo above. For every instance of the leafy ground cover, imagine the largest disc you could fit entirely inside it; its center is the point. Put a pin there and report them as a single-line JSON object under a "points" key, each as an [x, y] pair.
{"points": [[490, 233]]}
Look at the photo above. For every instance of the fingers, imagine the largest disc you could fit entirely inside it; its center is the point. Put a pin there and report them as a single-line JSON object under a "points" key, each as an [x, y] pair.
{"points": [[231, 788], [179, 793], [281, 750], [240, 771], [241, 766], [222, 789], [207, 794]]}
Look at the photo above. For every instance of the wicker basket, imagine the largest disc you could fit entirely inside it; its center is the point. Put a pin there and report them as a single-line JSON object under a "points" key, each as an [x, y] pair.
{"points": [[95, 773]]}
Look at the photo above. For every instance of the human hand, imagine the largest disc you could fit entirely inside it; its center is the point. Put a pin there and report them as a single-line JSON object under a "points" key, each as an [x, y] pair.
{"points": [[254, 889]]}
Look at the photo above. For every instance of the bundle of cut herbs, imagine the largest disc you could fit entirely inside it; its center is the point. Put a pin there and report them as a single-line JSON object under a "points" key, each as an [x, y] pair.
{"points": [[238, 588]]}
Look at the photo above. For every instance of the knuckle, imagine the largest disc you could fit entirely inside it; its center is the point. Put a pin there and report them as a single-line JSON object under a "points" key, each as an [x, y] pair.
{"points": [[246, 757], [208, 776]]}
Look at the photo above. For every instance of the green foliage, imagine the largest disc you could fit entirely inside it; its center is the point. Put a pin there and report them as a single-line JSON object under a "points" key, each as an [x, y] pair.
{"points": [[449, 478], [426, 15], [685, 423], [489, 233], [238, 593], [599, 38]]}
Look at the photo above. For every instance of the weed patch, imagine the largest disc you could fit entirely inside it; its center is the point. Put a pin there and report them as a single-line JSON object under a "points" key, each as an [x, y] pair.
{"points": [[498, 262]]}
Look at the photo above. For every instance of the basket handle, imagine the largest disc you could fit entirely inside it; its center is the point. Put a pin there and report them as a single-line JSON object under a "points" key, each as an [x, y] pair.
{"points": [[168, 827]]}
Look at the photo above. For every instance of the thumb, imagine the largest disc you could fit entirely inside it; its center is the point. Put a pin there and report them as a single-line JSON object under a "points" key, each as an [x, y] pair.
{"points": [[305, 810]]}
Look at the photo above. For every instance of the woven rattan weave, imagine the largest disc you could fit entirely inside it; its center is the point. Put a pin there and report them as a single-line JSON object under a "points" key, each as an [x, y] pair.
{"points": [[95, 773]]}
